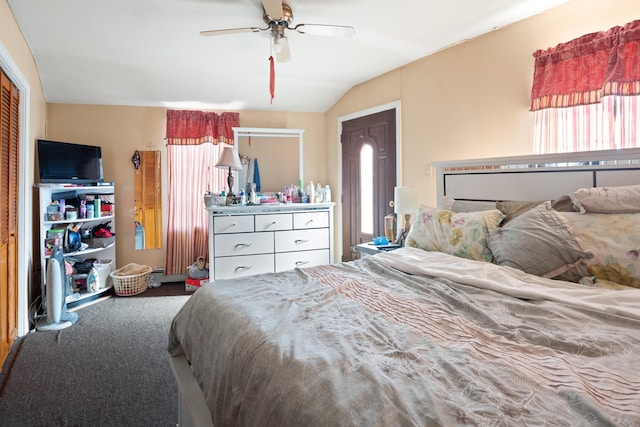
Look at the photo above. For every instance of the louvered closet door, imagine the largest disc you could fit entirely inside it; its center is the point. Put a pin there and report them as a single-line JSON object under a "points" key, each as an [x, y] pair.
{"points": [[8, 214]]}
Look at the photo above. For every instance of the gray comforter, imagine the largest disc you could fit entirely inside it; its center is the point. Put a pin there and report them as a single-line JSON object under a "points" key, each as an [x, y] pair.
{"points": [[454, 342]]}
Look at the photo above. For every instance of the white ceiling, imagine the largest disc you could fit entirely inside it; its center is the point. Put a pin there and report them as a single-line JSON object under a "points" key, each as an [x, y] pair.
{"points": [[150, 53]]}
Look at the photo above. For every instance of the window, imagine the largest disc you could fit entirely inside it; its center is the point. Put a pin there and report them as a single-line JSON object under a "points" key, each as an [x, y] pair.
{"points": [[191, 155], [366, 189], [586, 92]]}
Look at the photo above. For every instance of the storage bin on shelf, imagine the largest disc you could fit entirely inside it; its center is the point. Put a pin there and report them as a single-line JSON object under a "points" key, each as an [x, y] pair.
{"points": [[99, 242], [132, 279]]}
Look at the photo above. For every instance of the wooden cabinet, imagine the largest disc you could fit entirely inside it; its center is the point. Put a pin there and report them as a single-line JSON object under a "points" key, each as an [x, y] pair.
{"points": [[248, 240], [101, 249]]}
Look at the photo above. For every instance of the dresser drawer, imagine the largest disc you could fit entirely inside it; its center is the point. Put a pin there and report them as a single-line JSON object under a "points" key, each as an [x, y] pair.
{"points": [[233, 224], [304, 220], [274, 222], [291, 260], [302, 240], [242, 244], [240, 266]]}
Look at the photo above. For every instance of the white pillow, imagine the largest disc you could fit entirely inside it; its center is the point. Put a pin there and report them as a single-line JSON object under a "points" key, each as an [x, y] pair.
{"points": [[625, 199]]}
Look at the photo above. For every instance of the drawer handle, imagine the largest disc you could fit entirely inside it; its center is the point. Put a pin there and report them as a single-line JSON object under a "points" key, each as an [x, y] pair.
{"points": [[243, 267], [234, 224], [243, 245], [302, 262], [299, 241], [309, 222]]}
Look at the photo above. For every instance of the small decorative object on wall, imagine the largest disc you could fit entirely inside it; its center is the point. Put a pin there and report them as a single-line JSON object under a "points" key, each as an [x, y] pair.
{"points": [[135, 159]]}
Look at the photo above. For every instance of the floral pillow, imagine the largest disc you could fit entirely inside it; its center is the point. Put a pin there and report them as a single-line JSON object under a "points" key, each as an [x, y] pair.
{"points": [[614, 239], [462, 234]]}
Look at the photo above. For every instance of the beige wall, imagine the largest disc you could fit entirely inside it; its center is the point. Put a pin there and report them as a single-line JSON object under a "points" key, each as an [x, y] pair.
{"points": [[122, 130], [471, 100]]}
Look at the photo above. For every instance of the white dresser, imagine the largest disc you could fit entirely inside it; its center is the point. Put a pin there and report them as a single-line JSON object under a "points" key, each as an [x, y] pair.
{"points": [[248, 240]]}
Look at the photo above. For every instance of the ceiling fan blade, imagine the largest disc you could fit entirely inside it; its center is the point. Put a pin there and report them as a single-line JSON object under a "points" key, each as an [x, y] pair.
{"points": [[273, 8], [231, 31], [285, 53], [326, 30]]}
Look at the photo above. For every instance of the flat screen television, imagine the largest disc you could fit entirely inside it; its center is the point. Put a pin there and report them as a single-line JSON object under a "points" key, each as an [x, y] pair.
{"points": [[64, 162]]}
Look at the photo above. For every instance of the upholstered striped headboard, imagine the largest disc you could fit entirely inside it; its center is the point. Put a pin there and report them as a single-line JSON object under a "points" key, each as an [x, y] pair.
{"points": [[540, 177]]}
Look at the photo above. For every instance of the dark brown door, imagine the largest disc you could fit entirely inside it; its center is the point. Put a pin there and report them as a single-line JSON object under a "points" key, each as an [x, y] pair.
{"points": [[9, 100], [368, 177]]}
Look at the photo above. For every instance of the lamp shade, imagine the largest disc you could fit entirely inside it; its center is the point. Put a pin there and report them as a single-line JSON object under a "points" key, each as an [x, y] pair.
{"points": [[405, 200], [229, 159]]}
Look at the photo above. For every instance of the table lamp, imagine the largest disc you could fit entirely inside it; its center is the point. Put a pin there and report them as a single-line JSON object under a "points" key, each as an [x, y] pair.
{"points": [[405, 203], [229, 159]]}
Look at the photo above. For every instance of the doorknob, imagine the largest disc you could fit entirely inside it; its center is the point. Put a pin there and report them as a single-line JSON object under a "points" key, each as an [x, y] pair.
{"points": [[392, 203]]}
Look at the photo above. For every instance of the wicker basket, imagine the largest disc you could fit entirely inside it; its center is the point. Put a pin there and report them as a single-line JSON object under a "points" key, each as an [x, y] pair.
{"points": [[130, 285]]}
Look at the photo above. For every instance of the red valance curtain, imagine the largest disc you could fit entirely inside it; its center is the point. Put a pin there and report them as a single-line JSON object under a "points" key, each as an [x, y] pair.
{"points": [[185, 127], [583, 70]]}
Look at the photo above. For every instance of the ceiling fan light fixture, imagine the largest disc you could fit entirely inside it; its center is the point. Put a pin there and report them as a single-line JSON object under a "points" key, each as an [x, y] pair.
{"points": [[280, 41], [276, 45]]}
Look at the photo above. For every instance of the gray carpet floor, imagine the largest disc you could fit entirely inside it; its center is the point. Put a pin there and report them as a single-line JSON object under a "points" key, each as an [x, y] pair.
{"points": [[109, 369]]}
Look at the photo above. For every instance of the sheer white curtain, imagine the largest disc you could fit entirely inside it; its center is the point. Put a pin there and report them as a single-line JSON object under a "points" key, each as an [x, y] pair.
{"points": [[191, 174], [610, 124]]}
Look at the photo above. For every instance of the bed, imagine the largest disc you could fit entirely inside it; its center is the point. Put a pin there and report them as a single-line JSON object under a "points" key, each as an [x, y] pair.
{"points": [[477, 321]]}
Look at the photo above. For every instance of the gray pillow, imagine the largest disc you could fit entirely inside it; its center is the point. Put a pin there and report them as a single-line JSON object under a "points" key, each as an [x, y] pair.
{"points": [[538, 242], [512, 209], [462, 206]]}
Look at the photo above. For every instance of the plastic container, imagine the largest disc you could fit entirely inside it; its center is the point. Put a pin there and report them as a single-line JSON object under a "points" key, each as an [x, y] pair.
{"points": [[71, 212], [96, 207], [311, 192], [93, 280], [103, 267]]}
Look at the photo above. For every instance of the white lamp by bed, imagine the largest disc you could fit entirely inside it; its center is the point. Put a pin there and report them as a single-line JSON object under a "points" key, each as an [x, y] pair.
{"points": [[229, 159], [405, 203]]}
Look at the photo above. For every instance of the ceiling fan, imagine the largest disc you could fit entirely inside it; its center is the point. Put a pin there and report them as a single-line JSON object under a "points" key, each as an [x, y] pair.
{"points": [[278, 16]]}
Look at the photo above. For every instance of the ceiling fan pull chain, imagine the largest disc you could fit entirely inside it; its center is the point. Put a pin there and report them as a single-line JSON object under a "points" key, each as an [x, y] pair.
{"points": [[272, 78]]}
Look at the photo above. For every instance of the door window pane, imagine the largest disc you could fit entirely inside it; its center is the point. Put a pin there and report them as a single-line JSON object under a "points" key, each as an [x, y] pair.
{"points": [[366, 189]]}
